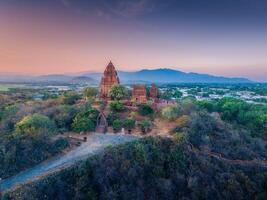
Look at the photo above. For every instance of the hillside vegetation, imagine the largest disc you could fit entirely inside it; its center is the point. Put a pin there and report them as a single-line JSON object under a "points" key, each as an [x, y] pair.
{"points": [[153, 168], [213, 149]]}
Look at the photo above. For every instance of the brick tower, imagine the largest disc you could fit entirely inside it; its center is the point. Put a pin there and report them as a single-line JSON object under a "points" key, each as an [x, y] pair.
{"points": [[110, 78], [139, 94], [154, 92]]}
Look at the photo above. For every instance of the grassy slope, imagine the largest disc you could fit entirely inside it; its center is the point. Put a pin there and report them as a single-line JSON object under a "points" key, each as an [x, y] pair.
{"points": [[7, 87], [4, 88]]}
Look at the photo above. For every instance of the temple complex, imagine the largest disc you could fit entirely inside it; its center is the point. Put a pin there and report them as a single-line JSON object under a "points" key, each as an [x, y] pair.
{"points": [[110, 78], [154, 92], [139, 94]]}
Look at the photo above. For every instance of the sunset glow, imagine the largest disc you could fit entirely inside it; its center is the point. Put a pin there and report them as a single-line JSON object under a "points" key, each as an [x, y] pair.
{"points": [[69, 36]]}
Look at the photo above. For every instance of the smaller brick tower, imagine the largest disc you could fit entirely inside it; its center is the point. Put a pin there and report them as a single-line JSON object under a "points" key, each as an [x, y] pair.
{"points": [[153, 92], [139, 94]]}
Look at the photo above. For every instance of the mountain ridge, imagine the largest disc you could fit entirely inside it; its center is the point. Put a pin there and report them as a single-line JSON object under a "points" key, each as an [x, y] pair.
{"points": [[159, 75], [167, 75]]}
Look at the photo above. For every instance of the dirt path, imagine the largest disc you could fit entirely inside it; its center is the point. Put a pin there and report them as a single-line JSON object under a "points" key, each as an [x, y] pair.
{"points": [[94, 144]]}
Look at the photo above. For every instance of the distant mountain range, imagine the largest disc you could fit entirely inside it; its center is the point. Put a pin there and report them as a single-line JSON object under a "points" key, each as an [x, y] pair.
{"points": [[169, 76], [162, 75], [53, 78]]}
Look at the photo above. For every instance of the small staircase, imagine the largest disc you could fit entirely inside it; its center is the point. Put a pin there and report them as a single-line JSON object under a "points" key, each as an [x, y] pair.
{"points": [[101, 129]]}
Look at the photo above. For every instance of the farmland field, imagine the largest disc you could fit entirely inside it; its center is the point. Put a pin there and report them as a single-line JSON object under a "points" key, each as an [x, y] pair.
{"points": [[7, 87]]}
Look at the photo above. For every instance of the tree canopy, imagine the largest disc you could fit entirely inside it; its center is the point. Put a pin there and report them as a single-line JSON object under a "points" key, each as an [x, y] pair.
{"points": [[117, 106], [118, 92], [70, 98], [90, 92], [170, 112], [145, 110], [85, 120], [34, 124]]}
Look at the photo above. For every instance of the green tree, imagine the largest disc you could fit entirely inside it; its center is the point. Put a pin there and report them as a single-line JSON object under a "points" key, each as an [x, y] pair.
{"points": [[207, 105], [35, 124], [188, 105], [64, 115], [8, 111], [82, 124], [117, 125], [117, 106], [9, 117], [177, 94], [167, 95], [145, 110], [145, 126], [170, 112], [171, 93], [90, 93], [118, 92], [180, 137], [194, 91], [70, 98], [129, 124], [112, 116], [85, 120], [242, 113]]}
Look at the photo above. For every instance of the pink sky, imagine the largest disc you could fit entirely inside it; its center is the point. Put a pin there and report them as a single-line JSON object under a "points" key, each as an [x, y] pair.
{"points": [[41, 42]]}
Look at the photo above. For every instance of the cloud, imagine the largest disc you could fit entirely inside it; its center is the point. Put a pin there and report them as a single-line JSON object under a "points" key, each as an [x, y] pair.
{"points": [[70, 4], [116, 8], [101, 14], [66, 3], [134, 8], [128, 8]]}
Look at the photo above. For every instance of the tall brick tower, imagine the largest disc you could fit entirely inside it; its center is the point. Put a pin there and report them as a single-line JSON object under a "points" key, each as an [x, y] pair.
{"points": [[109, 78]]}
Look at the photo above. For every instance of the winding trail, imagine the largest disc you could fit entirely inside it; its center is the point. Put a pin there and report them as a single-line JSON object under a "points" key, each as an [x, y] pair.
{"points": [[95, 143]]}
